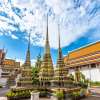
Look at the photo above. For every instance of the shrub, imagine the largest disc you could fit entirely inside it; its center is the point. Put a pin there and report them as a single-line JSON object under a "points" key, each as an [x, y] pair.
{"points": [[0, 86], [10, 94], [59, 94], [77, 95], [18, 94], [83, 85], [97, 83], [43, 94]]}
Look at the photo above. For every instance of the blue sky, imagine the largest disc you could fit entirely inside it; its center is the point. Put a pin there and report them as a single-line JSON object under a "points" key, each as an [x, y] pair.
{"points": [[79, 25]]}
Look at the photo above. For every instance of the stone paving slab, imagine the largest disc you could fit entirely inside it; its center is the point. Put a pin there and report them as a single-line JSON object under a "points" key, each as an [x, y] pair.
{"points": [[88, 98], [3, 98], [91, 98], [41, 99]]}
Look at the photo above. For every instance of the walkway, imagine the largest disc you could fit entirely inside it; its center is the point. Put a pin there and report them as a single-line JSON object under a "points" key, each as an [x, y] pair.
{"points": [[3, 91], [92, 98]]}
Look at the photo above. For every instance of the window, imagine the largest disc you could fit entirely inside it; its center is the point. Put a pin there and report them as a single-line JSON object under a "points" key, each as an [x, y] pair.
{"points": [[93, 65]]}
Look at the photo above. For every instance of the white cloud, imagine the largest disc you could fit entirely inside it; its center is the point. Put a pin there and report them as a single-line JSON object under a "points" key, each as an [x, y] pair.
{"points": [[33, 62], [22, 61], [75, 19], [14, 37]]}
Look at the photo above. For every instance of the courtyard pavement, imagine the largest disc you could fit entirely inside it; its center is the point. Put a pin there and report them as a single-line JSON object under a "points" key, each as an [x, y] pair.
{"points": [[3, 98], [3, 91], [92, 98], [88, 98]]}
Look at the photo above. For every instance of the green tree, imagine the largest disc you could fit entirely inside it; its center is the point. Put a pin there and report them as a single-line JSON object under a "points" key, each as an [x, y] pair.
{"points": [[77, 75], [35, 70], [38, 62], [71, 76], [35, 76], [82, 77]]}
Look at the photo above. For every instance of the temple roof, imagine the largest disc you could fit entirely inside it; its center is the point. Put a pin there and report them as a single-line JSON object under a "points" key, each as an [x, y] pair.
{"points": [[85, 55], [9, 62], [84, 50]]}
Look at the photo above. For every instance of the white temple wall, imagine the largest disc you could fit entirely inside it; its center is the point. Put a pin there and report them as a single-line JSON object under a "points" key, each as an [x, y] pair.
{"points": [[90, 73], [3, 81], [93, 74]]}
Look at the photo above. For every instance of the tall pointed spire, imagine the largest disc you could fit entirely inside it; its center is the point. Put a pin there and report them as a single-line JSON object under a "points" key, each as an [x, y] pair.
{"points": [[25, 80], [27, 61], [60, 72], [59, 48], [60, 58], [46, 70], [29, 43], [47, 30], [47, 46]]}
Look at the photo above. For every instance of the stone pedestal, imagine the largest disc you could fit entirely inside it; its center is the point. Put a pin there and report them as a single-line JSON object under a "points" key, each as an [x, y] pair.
{"points": [[34, 95], [53, 98]]}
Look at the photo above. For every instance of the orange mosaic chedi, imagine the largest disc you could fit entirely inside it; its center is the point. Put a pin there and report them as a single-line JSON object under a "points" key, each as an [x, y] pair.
{"points": [[86, 55]]}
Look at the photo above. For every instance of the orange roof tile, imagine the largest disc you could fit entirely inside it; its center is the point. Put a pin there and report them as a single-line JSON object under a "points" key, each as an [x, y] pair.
{"points": [[85, 50], [90, 52], [9, 62]]}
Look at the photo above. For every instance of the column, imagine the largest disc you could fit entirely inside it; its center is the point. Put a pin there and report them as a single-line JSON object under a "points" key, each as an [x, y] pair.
{"points": [[77, 76], [53, 98], [98, 70], [40, 83], [90, 74], [99, 67], [34, 95], [43, 83]]}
